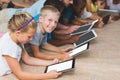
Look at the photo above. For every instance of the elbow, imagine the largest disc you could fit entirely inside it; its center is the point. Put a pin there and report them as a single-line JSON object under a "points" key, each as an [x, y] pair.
{"points": [[37, 55], [20, 76]]}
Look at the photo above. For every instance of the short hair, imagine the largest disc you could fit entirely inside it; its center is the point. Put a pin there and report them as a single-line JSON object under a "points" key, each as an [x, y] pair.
{"points": [[21, 21], [77, 2], [56, 3], [46, 8]]}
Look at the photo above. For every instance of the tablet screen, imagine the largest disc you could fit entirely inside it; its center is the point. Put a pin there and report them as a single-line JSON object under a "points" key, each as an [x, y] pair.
{"points": [[82, 29], [62, 66], [85, 38], [77, 50]]}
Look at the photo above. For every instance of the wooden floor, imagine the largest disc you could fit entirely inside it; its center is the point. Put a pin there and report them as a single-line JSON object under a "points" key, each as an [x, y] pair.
{"points": [[100, 62]]}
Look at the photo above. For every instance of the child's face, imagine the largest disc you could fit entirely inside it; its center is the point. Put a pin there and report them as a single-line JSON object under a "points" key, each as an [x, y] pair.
{"points": [[24, 37], [79, 9], [49, 22]]}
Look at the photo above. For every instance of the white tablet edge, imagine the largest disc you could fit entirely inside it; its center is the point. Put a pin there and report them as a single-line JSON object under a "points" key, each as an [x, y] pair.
{"points": [[94, 33], [78, 49], [93, 24], [107, 10]]}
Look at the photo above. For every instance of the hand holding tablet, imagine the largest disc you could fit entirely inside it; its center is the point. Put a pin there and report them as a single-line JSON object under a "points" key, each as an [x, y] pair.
{"points": [[86, 37], [79, 49], [61, 66], [84, 28]]}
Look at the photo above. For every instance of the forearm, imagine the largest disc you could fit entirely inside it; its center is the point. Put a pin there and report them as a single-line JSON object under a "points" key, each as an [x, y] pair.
{"points": [[61, 26], [35, 61], [31, 76], [61, 32], [38, 62], [53, 48], [95, 16], [83, 21], [48, 56], [60, 37]]}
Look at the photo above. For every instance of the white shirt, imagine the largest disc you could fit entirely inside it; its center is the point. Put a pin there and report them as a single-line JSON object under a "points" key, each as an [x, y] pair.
{"points": [[10, 48], [86, 14]]}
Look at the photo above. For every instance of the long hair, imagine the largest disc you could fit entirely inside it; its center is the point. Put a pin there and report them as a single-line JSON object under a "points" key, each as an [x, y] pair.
{"points": [[78, 6], [56, 3], [21, 21], [116, 1]]}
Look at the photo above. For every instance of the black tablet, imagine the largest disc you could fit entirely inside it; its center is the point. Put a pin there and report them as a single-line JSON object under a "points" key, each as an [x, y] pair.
{"points": [[61, 66], [79, 50], [106, 19], [86, 37], [84, 28]]}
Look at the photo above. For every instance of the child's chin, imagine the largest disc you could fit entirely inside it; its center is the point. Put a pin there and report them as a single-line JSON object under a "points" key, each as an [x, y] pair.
{"points": [[49, 31]]}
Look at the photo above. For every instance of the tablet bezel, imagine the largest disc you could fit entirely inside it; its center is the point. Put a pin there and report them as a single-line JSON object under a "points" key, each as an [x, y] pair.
{"points": [[110, 11], [91, 25], [95, 35], [73, 65], [75, 33], [81, 51]]}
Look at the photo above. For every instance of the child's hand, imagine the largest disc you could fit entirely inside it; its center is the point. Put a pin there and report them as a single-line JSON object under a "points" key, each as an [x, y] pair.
{"points": [[67, 49], [53, 74], [73, 39], [64, 56], [72, 28], [53, 61]]}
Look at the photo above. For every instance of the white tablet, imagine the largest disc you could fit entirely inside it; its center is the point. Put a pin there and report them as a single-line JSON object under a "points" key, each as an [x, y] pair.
{"points": [[86, 37], [109, 11], [79, 49], [84, 28], [61, 66]]}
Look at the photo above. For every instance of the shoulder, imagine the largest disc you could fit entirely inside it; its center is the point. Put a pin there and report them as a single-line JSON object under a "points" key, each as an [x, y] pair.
{"points": [[6, 41]]}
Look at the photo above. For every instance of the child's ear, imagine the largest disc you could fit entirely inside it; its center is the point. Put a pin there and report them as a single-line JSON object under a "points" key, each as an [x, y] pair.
{"points": [[18, 32], [40, 18]]}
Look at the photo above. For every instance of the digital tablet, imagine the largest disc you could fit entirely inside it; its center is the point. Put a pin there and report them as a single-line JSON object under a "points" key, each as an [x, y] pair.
{"points": [[84, 28], [79, 50], [61, 66], [109, 11], [86, 37]]}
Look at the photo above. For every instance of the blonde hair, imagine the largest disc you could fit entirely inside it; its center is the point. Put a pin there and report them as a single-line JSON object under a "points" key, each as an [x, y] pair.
{"points": [[48, 8], [21, 21]]}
